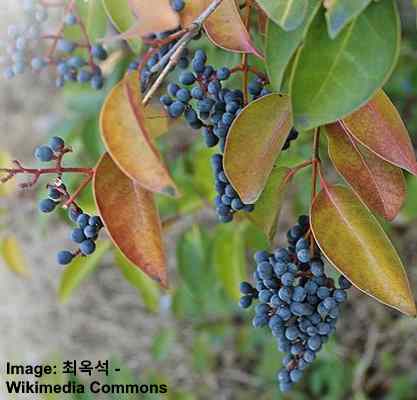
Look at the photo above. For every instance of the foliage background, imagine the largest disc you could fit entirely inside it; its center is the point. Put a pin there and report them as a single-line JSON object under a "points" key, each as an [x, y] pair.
{"points": [[194, 337]]}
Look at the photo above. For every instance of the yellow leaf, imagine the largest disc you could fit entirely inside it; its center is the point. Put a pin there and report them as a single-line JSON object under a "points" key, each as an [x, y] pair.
{"points": [[13, 256], [6, 189], [352, 239]]}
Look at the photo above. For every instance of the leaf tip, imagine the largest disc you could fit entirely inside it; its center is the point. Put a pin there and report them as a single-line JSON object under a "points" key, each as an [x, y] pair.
{"points": [[162, 280], [408, 307]]}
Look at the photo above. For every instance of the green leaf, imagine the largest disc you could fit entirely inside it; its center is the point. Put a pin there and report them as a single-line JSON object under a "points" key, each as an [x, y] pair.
{"points": [[229, 258], [122, 18], [163, 343], [410, 210], [332, 78], [254, 142], [192, 261], [148, 290], [288, 14], [380, 185], [96, 20], [79, 270], [282, 45], [352, 239], [340, 12], [268, 207]]}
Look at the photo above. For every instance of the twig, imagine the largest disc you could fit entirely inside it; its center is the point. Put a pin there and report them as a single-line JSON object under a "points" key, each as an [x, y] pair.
{"points": [[182, 43], [38, 172]]}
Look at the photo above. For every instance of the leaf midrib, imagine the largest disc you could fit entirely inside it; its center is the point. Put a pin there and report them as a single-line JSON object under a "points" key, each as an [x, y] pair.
{"points": [[336, 61], [349, 225]]}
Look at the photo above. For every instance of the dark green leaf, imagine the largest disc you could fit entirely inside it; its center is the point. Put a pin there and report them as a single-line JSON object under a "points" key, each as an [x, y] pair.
{"points": [[340, 12], [288, 14], [282, 45], [332, 78]]}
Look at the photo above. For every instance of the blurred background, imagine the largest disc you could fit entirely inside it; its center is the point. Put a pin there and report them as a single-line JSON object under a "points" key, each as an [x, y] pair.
{"points": [[193, 337]]}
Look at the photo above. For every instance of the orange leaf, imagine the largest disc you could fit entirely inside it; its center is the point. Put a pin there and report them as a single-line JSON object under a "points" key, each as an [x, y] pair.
{"points": [[124, 129], [156, 17], [131, 218], [379, 184], [254, 142], [378, 126], [226, 29], [192, 9], [355, 243]]}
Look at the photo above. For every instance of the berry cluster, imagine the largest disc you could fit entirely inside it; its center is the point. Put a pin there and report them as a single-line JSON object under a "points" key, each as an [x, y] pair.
{"points": [[209, 106], [88, 227], [25, 52], [159, 59], [297, 300], [84, 235]]}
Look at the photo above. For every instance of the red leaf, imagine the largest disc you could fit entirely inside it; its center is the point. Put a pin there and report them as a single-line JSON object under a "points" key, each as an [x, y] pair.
{"points": [[379, 184], [378, 126], [131, 218]]}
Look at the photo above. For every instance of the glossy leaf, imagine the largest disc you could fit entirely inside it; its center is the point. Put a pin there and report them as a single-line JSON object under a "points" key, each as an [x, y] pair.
{"points": [[380, 185], [125, 132], [122, 18], [156, 17], [226, 29], [332, 78], [379, 127], [96, 24], [147, 289], [13, 257], [340, 12], [268, 207], [131, 218], [354, 242], [281, 45], [79, 270], [229, 258], [288, 14], [254, 142]]}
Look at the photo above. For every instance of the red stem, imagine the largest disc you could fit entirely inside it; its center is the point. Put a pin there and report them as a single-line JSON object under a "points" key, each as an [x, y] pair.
{"points": [[77, 192]]}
